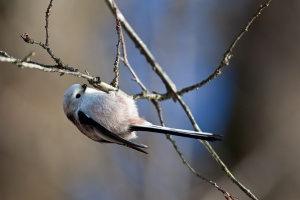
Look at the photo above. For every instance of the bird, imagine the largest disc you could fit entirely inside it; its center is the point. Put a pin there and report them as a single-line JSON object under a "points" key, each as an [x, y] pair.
{"points": [[112, 117]]}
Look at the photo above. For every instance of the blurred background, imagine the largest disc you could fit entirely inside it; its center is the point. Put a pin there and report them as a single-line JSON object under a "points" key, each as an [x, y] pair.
{"points": [[254, 103]]}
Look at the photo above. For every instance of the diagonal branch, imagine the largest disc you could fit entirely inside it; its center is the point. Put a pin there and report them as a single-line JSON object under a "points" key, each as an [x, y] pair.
{"points": [[228, 54], [226, 194], [170, 86]]}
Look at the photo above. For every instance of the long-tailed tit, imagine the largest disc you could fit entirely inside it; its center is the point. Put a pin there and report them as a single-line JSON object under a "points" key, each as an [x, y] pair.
{"points": [[113, 118]]}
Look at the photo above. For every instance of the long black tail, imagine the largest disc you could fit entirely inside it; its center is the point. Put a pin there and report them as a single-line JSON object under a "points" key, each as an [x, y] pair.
{"points": [[177, 132]]}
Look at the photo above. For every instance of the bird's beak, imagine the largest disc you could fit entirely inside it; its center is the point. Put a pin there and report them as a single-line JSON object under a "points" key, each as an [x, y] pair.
{"points": [[84, 86]]}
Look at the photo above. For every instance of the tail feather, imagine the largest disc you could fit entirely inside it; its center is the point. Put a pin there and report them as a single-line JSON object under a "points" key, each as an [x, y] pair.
{"points": [[177, 132]]}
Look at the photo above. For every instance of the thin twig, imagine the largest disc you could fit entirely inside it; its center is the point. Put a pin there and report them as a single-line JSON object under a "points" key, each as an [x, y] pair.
{"points": [[228, 55], [124, 52], [115, 81], [170, 86], [217, 72], [48, 12], [213, 152], [29, 40], [45, 45], [226, 194], [61, 67], [159, 112], [95, 81], [135, 77]]}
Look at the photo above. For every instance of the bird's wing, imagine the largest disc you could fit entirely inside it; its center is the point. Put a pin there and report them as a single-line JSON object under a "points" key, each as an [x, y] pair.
{"points": [[86, 120]]}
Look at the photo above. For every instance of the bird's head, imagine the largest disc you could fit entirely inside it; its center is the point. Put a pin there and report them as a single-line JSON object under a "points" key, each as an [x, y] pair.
{"points": [[73, 97]]}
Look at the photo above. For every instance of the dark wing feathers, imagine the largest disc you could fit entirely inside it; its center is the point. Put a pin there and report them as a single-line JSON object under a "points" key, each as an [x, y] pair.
{"points": [[84, 119]]}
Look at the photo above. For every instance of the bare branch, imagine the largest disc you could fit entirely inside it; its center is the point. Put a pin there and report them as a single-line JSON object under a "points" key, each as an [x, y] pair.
{"points": [[29, 40], [45, 45], [47, 22], [170, 86], [171, 89], [228, 55], [115, 81], [122, 41], [95, 81], [61, 67], [226, 194]]}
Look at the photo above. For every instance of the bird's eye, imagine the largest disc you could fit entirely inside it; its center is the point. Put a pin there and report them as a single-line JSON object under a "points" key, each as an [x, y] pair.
{"points": [[78, 96]]}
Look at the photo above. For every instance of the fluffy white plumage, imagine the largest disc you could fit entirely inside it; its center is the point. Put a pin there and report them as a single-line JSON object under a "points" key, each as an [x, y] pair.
{"points": [[113, 117]]}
